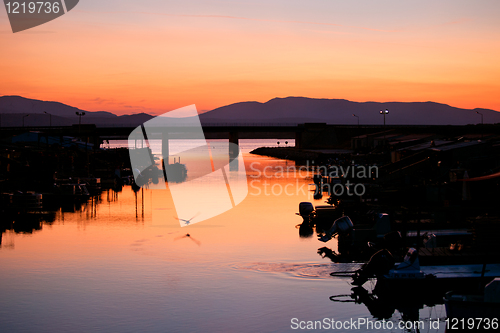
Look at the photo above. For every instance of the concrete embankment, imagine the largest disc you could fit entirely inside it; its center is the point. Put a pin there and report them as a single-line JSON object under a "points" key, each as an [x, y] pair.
{"points": [[288, 153]]}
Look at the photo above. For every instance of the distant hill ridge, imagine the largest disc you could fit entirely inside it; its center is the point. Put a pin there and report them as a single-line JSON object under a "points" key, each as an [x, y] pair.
{"points": [[289, 110], [340, 111], [13, 107]]}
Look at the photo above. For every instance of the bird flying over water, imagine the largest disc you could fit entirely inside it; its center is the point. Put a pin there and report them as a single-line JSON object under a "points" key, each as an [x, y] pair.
{"points": [[187, 222]]}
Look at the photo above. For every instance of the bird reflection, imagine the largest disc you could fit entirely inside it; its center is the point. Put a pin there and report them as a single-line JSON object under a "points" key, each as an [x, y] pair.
{"points": [[188, 236]]}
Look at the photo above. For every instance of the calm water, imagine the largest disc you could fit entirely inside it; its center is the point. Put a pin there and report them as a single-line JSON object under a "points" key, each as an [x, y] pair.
{"points": [[108, 267]]}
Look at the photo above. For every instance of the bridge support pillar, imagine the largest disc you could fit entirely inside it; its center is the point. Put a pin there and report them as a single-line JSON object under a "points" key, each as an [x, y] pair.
{"points": [[233, 150], [298, 140], [97, 141], [165, 148]]}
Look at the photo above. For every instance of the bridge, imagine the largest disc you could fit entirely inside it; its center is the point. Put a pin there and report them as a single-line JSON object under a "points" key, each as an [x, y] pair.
{"points": [[307, 136]]}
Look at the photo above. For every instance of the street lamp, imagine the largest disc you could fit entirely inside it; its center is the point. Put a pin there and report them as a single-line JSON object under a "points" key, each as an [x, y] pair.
{"points": [[25, 117], [481, 116], [356, 117], [50, 118], [384, 113], [80, 114]]}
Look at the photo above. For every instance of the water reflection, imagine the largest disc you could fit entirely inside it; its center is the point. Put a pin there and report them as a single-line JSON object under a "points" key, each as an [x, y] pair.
{"points": [[306, 229], [136, 190], [382, 306], [53, 207], [106, 265], [23, 213]]}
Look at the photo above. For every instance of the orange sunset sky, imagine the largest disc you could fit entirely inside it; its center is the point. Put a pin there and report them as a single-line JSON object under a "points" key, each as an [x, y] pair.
{"points": [[154, 56]]}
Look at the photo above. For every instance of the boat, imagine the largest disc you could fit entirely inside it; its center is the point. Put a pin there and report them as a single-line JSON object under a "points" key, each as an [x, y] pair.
{"points": [[480, 305], [22, 207], [66, 194], [75, 190], [413, 279], [21, 202], [92, 184], [356, 242]]}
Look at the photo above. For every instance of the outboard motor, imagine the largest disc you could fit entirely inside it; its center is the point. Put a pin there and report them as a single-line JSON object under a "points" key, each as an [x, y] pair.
{"points": [[409, 268], [430, 241], [410, 260], [382, 224], [306, 227], [305, 210], [393, 242], [380, 264], [343, 224]]}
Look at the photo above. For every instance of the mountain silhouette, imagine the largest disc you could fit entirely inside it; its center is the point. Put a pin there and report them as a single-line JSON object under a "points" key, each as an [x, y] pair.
{"points": [[13, 108], [340, 111], [289, 110]]}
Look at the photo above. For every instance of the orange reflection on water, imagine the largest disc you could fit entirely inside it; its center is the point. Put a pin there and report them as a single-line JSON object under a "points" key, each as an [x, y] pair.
{"points": [[264, 221], [110, 265]]}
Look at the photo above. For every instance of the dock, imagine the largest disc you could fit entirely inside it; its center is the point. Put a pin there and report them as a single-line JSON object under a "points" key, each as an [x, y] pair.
{"points": [[466, 256]]}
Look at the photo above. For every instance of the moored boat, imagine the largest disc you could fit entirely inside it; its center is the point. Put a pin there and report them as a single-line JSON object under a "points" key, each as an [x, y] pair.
{"points": [[409, 277], [467, 305]]}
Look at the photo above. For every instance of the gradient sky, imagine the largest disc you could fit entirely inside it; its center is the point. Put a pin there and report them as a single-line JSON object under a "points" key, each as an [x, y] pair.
{"points": [[157, 55]]}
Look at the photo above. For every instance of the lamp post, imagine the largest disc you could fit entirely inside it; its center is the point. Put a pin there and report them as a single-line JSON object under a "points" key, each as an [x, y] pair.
{"points": [[50, 118], [384, 113], [481, 116], [25, 117], [356, 117], [481, 123], [80, 114]]}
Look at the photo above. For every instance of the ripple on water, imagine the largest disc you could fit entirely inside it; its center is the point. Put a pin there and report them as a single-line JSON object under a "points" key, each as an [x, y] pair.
{"points": [[300, 270]]}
